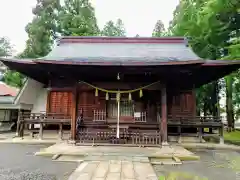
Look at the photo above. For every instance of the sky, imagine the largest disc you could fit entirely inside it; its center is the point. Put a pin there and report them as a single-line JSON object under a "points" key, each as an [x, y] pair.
{"points": [[139, 16]]}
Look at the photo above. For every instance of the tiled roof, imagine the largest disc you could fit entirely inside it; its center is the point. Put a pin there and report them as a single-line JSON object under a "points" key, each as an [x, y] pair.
{"points": [[6, 90], [7, 99], [122, 49]]}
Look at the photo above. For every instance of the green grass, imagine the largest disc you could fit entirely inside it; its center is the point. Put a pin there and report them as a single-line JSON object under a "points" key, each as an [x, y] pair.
{"points": [[232, 136]]}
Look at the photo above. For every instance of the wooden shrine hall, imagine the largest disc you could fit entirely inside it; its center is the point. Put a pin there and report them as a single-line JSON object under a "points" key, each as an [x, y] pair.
{"points": [[123, 90]]}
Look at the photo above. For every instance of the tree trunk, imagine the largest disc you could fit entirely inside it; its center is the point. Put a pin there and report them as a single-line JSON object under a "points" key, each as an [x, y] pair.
{"points": [[229, 102]]}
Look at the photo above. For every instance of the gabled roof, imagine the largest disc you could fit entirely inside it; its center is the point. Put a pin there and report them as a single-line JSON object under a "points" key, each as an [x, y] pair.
{"points": [[122, 49]]}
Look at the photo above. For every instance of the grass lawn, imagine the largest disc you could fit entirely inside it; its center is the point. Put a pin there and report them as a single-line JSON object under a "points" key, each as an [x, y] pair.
{"points": [[232, 136]]}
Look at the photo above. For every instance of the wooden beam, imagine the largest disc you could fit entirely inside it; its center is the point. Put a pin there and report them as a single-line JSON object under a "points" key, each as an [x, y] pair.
{"points": [[164, 114], [74, 113]]}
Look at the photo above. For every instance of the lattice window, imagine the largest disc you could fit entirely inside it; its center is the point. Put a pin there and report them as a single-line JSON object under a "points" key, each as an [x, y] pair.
{"points": [[126, 108]]}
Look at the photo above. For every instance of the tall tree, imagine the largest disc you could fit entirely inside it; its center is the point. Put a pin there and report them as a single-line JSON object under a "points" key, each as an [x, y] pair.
{"points": [[42, 31], [159, 29], [77, 18], [41, 34], [211, 26], [114, 29], [5, 47]]}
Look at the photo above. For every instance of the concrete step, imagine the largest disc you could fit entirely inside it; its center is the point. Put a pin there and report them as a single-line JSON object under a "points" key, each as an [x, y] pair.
{"points": [[166, 161]]}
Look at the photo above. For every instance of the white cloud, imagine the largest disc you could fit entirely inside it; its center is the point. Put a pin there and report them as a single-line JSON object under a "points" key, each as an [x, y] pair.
{"points": [[139, 16]]}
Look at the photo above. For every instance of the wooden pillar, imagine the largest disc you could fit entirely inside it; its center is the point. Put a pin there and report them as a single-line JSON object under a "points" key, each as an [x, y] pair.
{"points": [[194, 102], [164, 115], [18, 122], [74, 113]]}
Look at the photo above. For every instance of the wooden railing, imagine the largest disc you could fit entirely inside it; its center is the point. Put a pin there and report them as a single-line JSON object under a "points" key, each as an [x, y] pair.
{"points": [[208, 121], [42, 119], [108, 136]]}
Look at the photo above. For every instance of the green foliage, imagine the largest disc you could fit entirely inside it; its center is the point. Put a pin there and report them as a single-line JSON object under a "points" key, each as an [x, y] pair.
{"points": [[213, 27], [42, 30], [111, 29], [13, 78], [5, 47], [77, 18], [159, 29]]}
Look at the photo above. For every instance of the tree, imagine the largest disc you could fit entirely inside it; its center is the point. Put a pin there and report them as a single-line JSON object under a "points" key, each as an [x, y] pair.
{"points": [[77, 18], [11, 78], [42, 31], [211, 26], [159, 29], [5, 47], [111, 29]]}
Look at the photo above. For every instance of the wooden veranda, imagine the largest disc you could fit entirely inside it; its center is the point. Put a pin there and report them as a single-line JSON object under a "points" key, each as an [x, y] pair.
{"points": [[130, 134]]}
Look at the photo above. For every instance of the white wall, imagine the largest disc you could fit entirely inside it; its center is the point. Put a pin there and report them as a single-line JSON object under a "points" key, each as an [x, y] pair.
{"points": [[40, 103], [32, 96], [29, 92]]}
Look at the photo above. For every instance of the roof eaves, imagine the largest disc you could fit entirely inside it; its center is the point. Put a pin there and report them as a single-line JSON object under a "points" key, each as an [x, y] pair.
{"points": [[221, 62], [20, 61], [120, 63]]}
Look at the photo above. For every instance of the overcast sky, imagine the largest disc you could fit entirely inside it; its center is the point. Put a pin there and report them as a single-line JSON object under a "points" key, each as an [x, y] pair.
{"points": [[139, 16]]}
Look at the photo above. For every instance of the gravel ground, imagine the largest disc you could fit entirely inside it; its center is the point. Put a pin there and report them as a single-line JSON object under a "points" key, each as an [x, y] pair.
{"points": [[17, 162], [213, 165]]}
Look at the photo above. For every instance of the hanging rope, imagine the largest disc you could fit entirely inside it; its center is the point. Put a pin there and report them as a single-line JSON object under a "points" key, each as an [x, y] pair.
{"points": [[119, 92]]}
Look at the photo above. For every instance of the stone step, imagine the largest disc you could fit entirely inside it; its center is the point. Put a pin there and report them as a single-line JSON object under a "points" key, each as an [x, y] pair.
{"points": [[113, 170]]}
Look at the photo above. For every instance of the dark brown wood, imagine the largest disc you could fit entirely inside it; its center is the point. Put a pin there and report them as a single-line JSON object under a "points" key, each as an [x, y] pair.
{"points": [[108, 135], [194, 101], [164, 113], [74, 114], [48, 101]]}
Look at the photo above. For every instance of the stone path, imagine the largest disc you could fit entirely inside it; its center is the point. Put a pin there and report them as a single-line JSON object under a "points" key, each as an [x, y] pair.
{"points": [[114, 170]]}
